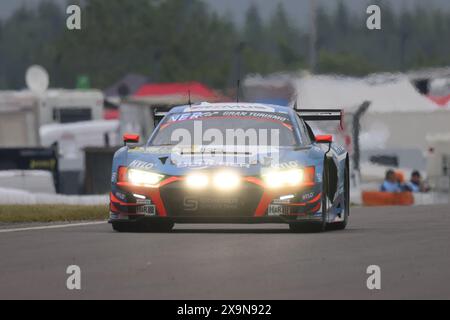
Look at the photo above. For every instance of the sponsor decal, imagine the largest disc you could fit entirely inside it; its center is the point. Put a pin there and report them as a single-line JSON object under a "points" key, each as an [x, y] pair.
{"points": [[138, 164], [319, 177], [43, 164], [281, 201], [147, 202], [158, 150], [286, 165], [218, 203], [191, 116], [227, 114], [190, 204], [308, 196], [152, 150], [203, 163], [121, 196], [194, 204], [137, 149]]}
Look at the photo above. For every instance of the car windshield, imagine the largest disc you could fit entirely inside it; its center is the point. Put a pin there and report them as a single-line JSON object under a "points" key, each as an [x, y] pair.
{"points": [[226, 128]]}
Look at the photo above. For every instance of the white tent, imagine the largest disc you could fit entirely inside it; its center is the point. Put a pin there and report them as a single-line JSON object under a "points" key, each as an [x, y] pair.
{"points": [[398, 117], [398, 95]]}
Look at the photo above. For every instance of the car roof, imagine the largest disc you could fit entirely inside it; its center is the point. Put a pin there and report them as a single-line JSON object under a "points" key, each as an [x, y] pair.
{"points": [[231, 106]]}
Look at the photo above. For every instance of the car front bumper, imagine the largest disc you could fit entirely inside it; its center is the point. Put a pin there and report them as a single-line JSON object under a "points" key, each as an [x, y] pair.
{"points": [[252, 203]]}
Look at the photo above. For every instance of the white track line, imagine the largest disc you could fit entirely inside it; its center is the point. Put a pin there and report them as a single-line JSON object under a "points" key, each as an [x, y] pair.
{"points": [[61, 226]]}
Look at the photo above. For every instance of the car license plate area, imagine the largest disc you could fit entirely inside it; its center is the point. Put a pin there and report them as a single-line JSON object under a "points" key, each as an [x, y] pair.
{"points": [[275, 210], [146, 210]]}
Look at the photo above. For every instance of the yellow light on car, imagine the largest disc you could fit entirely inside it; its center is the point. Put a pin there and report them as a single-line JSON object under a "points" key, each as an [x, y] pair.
{"points": [[144, 178], [273, 179], [278, 179], [226, 180], [197, 181], [293, 177]]}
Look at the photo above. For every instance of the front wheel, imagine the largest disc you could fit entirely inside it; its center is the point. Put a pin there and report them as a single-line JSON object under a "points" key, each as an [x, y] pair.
{"points": [[343, 224]]}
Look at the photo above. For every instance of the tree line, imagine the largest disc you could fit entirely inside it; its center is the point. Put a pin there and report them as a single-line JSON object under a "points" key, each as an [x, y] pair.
{"points": [[183, 40]]}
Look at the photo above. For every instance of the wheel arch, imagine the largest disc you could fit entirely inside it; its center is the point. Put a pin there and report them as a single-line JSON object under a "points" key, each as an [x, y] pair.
{"points": [[332, 170]]}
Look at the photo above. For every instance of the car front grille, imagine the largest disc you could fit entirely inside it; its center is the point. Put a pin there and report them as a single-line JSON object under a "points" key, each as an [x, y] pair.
{"points": [[182, 202]]}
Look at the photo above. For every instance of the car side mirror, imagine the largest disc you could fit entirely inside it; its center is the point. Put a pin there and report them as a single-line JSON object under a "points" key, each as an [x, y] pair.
{"points": [[324, 139], [131, 138]]}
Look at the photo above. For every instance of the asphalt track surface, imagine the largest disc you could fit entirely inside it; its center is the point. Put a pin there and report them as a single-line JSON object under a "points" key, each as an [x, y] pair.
{"points": [[411, 246]]}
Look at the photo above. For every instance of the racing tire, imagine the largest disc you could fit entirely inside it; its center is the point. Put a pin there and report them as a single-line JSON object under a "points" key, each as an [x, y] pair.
{"points": [[319, 226], [343, 224]]}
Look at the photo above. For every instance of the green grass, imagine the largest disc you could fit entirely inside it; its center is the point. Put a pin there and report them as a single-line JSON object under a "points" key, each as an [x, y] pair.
{"points": [[51, 213]]}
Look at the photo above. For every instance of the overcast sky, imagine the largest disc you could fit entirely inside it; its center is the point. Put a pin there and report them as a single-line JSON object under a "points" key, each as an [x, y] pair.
{"points": [[298, 9]]}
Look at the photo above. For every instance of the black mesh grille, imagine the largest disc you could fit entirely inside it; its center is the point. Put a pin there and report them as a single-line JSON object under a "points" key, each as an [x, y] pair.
{"points": [[182, 202]]}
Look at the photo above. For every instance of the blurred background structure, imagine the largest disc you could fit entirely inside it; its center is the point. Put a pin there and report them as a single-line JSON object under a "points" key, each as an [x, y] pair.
{"points": [[133, 58]]}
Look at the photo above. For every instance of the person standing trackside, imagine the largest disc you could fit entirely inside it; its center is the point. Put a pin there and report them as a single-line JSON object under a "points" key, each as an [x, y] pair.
{"points": [[391, 183], [416, 184]]}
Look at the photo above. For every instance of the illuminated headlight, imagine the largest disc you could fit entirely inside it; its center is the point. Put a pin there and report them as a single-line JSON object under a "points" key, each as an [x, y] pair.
{"points": [[226, 180], [288, 178], [197, 181], [144, 178]]}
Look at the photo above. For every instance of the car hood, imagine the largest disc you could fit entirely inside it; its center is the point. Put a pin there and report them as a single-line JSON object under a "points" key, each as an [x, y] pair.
{"points": [[178, 161]]}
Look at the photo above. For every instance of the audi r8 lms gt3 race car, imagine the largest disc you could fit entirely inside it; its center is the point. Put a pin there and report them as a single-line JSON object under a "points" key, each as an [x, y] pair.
{"points": [[232, 163]]}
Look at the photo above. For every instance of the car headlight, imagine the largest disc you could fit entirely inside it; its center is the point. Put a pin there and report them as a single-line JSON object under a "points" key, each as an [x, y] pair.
{"points": [[197, 181], [144, 178], [288, 178], [226, 180]]}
